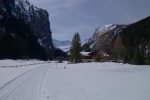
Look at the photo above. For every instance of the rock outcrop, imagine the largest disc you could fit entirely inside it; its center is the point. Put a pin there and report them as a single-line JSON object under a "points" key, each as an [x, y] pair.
{"points": [[24, 30]]}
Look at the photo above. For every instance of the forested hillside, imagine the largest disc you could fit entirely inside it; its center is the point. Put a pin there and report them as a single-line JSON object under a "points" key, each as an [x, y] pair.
{"points": [[136, 40]]}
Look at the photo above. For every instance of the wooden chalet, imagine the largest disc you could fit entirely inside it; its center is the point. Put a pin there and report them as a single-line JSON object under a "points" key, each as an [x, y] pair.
{"points": [[88, 56]]}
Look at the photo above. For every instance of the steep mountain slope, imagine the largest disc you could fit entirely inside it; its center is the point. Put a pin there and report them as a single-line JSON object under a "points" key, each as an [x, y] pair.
{"points": [[24, 30], [136, 41], [102, 34]]}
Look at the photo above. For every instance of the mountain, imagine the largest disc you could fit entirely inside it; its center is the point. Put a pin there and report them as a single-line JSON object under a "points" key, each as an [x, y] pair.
{"points": [[63, 45], [58, 43], [136, 41], [24, 31], [121, 43], [104, 33]]}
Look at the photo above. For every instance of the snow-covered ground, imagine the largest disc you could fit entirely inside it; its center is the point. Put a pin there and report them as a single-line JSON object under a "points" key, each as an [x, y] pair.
{"points": [[41, 80]]}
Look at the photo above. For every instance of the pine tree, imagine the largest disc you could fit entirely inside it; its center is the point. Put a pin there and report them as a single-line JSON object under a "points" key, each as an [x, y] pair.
{"points": [[75, 49]]}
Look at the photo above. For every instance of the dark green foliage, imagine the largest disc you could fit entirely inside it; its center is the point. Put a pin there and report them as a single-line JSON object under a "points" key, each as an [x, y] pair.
{"points": [[75, 49], [136, 38], [19, 42], [58, 54]]}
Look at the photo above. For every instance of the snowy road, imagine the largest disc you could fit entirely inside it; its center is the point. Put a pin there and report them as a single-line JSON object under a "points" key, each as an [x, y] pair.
{"points": [[103, 81]]}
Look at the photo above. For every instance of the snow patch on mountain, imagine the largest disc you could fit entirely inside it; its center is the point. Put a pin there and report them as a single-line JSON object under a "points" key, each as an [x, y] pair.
{"points": [[63, 45], [65, 48], [105, 28], [23, 3], [99, 31], [25, 8]]}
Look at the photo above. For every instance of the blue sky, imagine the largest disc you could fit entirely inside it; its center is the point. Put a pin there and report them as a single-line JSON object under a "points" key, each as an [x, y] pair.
{"points": [[83, 16]]}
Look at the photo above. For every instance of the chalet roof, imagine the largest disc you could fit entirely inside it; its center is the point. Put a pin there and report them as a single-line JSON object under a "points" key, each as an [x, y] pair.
{"points": [[85, 53], [88, 53]]}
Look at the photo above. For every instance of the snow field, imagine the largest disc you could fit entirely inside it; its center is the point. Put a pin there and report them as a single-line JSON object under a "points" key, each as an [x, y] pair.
{"points": [[85, 81]]}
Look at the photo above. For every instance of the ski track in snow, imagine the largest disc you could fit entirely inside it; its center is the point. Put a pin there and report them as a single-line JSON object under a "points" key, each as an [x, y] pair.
{"points": [[12, 90], [89, 81]]}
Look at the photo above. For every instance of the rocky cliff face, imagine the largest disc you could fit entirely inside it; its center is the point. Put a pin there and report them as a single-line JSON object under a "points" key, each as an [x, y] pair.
{"points": [[21, 22], [38, 19], [102, 35]]}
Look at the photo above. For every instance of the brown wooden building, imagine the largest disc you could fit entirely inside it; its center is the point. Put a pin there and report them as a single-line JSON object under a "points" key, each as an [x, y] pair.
{"points": [[88, 56]]}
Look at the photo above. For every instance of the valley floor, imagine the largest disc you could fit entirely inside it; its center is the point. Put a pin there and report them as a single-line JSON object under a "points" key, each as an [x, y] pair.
{"points": [[39, 80]]}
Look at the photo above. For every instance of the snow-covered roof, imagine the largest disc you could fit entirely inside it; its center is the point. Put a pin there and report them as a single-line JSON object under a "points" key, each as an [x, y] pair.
{"points": [[85, 53]]}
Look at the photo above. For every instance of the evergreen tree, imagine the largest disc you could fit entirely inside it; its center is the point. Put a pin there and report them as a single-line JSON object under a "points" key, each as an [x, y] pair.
{"points": [[136, 40], [75, 49]]}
